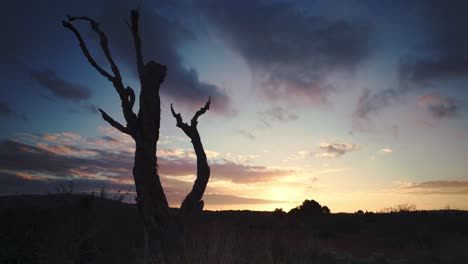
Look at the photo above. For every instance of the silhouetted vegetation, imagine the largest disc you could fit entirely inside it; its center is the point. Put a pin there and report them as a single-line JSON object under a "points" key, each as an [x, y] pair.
{"points": [[71, 228], [309, 208]]}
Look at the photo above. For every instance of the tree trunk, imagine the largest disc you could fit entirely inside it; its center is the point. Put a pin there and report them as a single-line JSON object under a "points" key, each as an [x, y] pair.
{"points": [[160, 229]]}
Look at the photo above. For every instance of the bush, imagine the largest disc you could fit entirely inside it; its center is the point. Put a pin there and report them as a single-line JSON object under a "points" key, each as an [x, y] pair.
{"points": [[308, 208], [279, 212], [401, 208]]}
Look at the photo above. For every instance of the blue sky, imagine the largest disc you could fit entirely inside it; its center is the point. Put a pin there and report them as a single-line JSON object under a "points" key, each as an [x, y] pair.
{"points": [[357, 104]]}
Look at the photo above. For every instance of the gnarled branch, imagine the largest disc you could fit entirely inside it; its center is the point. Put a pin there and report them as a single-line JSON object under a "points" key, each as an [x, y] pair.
{"points": [[194, 122], [192, 202], [104, 43], [127, 96], [114, 123], [85, 50], [200, 112]]}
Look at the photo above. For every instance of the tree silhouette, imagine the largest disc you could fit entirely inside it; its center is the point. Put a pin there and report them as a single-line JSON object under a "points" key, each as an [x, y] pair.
{"points": [[164, 231], [193, 203], [309, 208]]}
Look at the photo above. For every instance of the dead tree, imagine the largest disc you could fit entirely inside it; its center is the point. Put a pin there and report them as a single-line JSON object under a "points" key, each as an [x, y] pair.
{"points": [[163, 231]]}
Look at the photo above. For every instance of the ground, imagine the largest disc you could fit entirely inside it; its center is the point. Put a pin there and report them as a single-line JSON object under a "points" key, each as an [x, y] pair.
{"points": [[69, 228]]}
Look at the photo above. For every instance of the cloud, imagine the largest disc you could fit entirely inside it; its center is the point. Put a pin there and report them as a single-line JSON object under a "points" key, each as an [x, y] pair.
{"points": [[109, 139], [386, 150], [439, 57], [439, 106], [370, 102], [226, 199], [23, 183], [424, 70], [437, 187], [224, 170], [239, 173], [335, 150], [61, 161], [277, 113], [244, 133], [47, 160], [445, 45], [49, 80], [161, 39], [65, 138], [290, 52], [66, 150]]}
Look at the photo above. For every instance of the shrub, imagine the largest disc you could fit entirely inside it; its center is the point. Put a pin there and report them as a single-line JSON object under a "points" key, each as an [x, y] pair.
{"points": [[309, 207], [401, 208]]}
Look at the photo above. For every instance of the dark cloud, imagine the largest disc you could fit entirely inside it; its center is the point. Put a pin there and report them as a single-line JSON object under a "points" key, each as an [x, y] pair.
{"points": [[439, 56], [64, 161], [438, 187], [335, 150], [59, 87], [244, 133], [161, 38], [443, 110], [425, 70], [290, 52], [35, 32], [439, 106], [445, 44]]}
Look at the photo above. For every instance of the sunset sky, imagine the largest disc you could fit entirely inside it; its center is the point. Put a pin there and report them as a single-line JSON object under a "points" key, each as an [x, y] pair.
{"points": [[355, 104]]}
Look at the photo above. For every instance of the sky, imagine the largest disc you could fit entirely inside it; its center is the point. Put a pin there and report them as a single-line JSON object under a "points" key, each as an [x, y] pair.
{"points": [[359, 105]]}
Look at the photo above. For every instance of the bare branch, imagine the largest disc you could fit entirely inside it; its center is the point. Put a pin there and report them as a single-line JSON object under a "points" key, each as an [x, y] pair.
{"points": [[127, 96], [128, 24], [135, 15], [85, 50], [200, 112], [104, 43], [114, 123], [178, 117]]}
